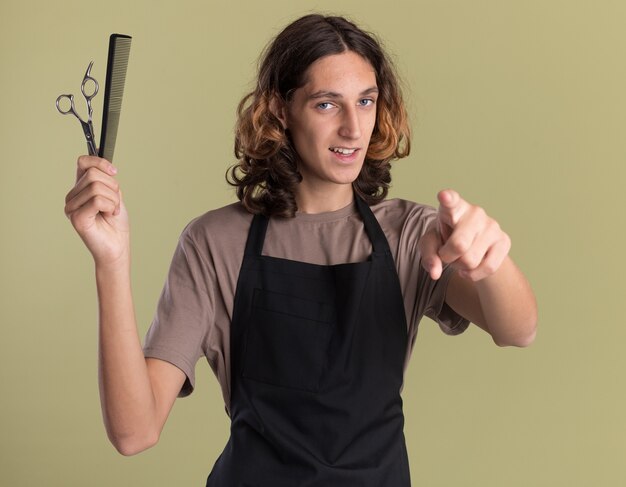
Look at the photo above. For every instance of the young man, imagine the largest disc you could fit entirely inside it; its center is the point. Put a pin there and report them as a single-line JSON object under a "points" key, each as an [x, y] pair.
{"points": [[304, 296]]}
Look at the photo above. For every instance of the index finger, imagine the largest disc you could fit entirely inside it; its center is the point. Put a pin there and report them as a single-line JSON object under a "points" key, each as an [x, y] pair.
{"points": [[451, 206], [86, 162]]}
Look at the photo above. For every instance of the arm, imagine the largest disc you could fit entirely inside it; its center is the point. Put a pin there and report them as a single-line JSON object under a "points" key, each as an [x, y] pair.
{"points": [[487, 287], [502, 304], [136, 394]]}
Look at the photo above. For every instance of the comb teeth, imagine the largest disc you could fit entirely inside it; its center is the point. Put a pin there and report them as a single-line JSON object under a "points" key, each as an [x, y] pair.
{"points": [[119, 51]]}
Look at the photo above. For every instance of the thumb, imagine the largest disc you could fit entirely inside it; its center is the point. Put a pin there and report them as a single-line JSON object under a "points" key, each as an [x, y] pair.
{"points": [[428, 246], [118, 208]]}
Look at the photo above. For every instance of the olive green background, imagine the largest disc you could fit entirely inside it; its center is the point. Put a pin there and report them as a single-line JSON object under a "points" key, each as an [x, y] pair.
{"points": [[519, 106]]}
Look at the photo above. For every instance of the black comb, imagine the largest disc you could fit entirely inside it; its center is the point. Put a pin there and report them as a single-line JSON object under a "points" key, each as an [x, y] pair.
{"points": [[119, 49]]}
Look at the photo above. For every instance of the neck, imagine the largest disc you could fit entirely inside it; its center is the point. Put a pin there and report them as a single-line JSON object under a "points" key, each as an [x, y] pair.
{"points": [[323, 200]]}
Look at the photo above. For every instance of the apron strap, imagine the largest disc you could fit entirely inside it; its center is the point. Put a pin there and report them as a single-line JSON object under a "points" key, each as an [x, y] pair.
{"points": [[372, 227], [256, 235]]}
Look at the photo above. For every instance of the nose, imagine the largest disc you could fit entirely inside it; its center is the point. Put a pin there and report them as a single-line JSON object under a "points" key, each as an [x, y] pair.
{"points": [[350, 127]]}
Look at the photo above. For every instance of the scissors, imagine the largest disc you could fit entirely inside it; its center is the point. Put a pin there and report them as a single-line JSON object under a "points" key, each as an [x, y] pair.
{"points": [[88, 94]]}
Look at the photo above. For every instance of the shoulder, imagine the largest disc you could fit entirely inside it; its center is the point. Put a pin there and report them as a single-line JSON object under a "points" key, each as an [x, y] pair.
{"points": [[225, 224], [213, 244], [399, 207], [397, 216]]}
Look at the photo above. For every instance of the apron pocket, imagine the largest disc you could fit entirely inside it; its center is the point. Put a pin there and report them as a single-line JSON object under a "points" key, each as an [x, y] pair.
{"points": [[287, 340]]}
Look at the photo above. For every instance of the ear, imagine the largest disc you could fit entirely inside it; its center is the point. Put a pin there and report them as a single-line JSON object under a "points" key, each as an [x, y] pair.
{"points": [[279, 109]]}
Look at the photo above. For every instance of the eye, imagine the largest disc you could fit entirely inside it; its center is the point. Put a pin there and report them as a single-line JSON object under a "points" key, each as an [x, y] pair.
{"points": [[364, 102], [324, 105]]}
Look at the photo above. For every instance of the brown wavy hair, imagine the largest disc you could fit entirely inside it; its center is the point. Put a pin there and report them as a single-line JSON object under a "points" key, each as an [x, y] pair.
{"points": [[266, 176]]}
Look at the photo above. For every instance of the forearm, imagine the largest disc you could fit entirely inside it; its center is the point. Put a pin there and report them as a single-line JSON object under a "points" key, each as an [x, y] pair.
{"points": [[126, 395], [508, 305]]}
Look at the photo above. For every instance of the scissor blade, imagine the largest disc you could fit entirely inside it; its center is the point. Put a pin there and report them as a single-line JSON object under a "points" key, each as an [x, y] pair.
{"points": [[88, 72]]}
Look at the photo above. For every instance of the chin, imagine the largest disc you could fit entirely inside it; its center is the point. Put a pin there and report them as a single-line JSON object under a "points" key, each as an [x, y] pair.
{"points": [[346, 178]]}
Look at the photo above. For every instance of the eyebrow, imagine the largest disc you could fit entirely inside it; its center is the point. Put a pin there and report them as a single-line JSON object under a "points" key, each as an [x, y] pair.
{"points": [[332, 94]]}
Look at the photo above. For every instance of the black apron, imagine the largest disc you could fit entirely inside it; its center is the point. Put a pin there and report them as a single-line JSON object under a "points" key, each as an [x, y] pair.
{"points": [[317, 356]]}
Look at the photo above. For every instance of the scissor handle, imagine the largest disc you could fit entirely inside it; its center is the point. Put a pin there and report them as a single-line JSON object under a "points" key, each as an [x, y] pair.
{"points": [[71, 109], [86, 79]]}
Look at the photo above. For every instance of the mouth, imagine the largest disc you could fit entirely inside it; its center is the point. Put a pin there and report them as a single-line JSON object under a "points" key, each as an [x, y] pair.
{"points": [[345, 151]]}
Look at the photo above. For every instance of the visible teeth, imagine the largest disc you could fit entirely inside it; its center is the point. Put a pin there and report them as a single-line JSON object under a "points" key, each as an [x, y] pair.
{"points": [[342, 151]]}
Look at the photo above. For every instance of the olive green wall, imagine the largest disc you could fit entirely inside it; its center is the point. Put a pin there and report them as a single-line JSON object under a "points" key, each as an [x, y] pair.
{"points": [[520, 106]]}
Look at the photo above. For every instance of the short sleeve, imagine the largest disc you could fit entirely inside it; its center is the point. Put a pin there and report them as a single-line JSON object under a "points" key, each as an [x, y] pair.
{"points": [[423, 296], [438, 310], [180, 325]]}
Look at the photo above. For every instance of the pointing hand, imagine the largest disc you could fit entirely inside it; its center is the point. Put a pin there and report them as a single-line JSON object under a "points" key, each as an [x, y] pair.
{"points": [[464, 236]]}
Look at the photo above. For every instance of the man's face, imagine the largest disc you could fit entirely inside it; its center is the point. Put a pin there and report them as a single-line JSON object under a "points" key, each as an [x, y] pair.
{"points": [[331, 119]]}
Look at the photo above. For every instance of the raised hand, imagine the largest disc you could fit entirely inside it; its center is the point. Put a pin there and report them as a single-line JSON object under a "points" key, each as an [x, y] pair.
{"points": [[95, 207], [464, 236]]}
